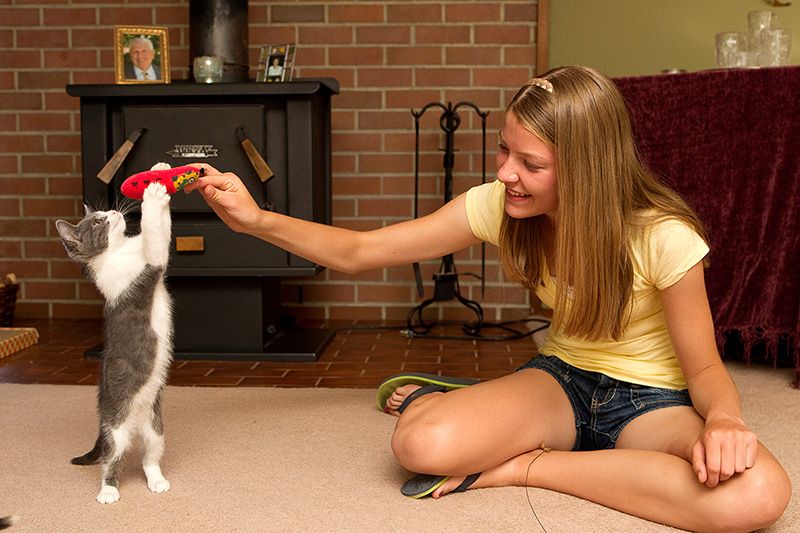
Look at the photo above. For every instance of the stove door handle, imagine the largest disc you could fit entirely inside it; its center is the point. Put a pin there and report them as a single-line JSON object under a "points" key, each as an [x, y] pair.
{"points": [[106, 173], [261, 167]]}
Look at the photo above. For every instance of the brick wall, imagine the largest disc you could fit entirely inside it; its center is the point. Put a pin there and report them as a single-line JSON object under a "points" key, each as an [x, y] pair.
{"points": [[388, 58]]}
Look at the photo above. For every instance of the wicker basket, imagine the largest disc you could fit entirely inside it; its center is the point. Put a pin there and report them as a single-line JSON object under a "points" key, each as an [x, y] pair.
{"points": [[8, 299]]}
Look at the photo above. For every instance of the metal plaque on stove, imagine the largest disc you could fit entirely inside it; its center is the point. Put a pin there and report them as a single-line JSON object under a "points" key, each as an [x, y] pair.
{"points": [[180, 135]]}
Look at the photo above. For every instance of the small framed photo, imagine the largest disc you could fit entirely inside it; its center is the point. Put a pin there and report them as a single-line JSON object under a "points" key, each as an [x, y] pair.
{"points": [[141, 54], [276, 63]]}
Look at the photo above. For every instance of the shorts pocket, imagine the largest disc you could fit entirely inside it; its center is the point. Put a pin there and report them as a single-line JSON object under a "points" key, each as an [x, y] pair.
{"points": [[636, 400]]}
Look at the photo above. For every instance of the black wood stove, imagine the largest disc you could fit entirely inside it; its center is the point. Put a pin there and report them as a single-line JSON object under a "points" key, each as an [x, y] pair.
{"points": [[226, 286]]}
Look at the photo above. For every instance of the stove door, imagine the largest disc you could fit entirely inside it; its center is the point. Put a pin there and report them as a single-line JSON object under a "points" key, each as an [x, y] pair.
{"points": [[180, 135]]}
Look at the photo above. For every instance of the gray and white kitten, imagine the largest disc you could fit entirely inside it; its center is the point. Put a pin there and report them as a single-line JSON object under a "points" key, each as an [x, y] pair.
{"points": [[129, 272]]}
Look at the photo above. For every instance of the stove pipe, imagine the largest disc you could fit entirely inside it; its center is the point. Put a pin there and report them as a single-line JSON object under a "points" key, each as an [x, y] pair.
{"points": [[219, 28]]}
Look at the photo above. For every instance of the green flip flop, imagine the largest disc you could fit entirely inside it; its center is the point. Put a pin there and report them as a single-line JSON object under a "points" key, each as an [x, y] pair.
{"points": [[446, 383], [423, 485]]}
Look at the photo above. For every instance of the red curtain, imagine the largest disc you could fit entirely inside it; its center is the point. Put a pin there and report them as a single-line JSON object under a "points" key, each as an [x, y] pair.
{"points": [[729, 142]]}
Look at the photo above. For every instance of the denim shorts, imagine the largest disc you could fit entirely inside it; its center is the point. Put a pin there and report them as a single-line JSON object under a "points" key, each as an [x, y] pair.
{"points": [[603, 406]]}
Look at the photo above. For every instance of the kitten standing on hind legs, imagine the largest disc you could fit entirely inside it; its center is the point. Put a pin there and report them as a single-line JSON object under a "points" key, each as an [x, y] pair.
{"points": [[129, 272]]}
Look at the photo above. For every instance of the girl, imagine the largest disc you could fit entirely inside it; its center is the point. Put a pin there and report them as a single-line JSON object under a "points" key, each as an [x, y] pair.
{"points": [[628, 395]]}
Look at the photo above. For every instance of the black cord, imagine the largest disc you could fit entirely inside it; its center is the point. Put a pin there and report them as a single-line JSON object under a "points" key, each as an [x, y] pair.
{"points": [[470, 333], [366, 328], [473, 331]]}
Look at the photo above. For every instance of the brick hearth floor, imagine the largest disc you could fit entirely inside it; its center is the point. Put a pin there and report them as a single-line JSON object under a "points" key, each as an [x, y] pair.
{"points": [[354, 358]]}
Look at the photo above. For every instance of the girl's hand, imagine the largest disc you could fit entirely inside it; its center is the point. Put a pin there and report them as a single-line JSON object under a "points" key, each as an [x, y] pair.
{"points": [[228, 197], [724, 448]]}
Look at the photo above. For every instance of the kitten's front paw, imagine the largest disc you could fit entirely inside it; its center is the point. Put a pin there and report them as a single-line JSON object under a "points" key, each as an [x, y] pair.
{"points": [[159, 486], [156, 193], [160, 166], [108, 494]]}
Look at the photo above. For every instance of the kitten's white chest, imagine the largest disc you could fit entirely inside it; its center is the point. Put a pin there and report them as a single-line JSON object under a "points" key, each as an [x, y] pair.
{"points": [[116, 268]]}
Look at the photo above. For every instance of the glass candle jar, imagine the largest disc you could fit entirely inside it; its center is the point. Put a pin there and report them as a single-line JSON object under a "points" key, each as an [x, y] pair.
{"points": [[207, 69]]}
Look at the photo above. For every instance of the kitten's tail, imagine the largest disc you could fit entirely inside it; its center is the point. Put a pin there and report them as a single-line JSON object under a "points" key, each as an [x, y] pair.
{"points": [[91, 457], [7, 521]]}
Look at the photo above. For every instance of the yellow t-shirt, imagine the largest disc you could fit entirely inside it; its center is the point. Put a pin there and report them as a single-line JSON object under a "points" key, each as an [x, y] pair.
{"points": [[662, 253]]}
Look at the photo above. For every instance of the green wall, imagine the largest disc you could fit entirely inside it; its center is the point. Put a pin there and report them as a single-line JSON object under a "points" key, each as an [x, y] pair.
{"points": [[636, 37]]}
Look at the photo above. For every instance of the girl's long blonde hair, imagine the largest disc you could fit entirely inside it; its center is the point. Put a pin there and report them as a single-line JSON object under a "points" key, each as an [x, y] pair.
{"points": [[602, 185]]}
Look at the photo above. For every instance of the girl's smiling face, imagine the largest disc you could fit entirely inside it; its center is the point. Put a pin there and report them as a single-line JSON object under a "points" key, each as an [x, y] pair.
{"points": [[526, 166]]}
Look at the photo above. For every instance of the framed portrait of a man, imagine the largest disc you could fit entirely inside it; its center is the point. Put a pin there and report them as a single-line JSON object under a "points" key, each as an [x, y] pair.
{"points": [[142, 54]]}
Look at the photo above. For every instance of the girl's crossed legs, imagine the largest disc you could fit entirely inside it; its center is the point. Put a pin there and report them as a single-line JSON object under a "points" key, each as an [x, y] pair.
{"points": [[496, 427]]}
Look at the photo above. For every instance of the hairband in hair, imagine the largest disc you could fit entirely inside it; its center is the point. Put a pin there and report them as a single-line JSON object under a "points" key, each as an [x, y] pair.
{"points": [[542, 83]]}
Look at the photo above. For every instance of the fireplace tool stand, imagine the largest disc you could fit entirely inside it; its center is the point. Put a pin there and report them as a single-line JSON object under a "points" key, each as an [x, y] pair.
{"points": [[446, 286]]}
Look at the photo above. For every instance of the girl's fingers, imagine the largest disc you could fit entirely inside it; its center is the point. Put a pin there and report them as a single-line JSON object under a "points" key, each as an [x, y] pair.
{"points": [[727, 462], [741, 457], [699, 462], [208, 172], [752, 452], [713, 464], [223, 182], [208, 168]]}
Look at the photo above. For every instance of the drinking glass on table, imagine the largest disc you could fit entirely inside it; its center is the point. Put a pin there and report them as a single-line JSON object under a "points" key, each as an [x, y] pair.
{"points": [[731, 49], [776, 44]]}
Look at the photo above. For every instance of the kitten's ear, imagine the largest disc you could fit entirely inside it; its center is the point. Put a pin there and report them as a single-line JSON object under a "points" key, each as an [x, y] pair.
{"points": [[69, 237], [87, 210]]}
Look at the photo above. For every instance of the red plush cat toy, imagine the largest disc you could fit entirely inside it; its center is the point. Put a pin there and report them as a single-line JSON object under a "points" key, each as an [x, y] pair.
{"points": [[174, 179]]}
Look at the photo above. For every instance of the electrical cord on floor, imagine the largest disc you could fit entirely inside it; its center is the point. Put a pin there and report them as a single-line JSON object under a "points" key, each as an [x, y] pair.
{"points": [[368, 328], [471, 330]]}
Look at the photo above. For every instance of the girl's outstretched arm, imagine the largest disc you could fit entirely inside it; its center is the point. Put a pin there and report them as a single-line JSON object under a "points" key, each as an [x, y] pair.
{"points": [[442, 232]]}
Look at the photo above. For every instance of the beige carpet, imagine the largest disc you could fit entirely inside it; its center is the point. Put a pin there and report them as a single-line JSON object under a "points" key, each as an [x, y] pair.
{"points": [[267, 459]]}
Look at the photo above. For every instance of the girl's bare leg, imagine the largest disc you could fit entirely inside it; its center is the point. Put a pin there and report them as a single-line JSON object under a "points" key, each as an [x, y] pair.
{"points": [[479, 427], [653, 485], [649, 474]]}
